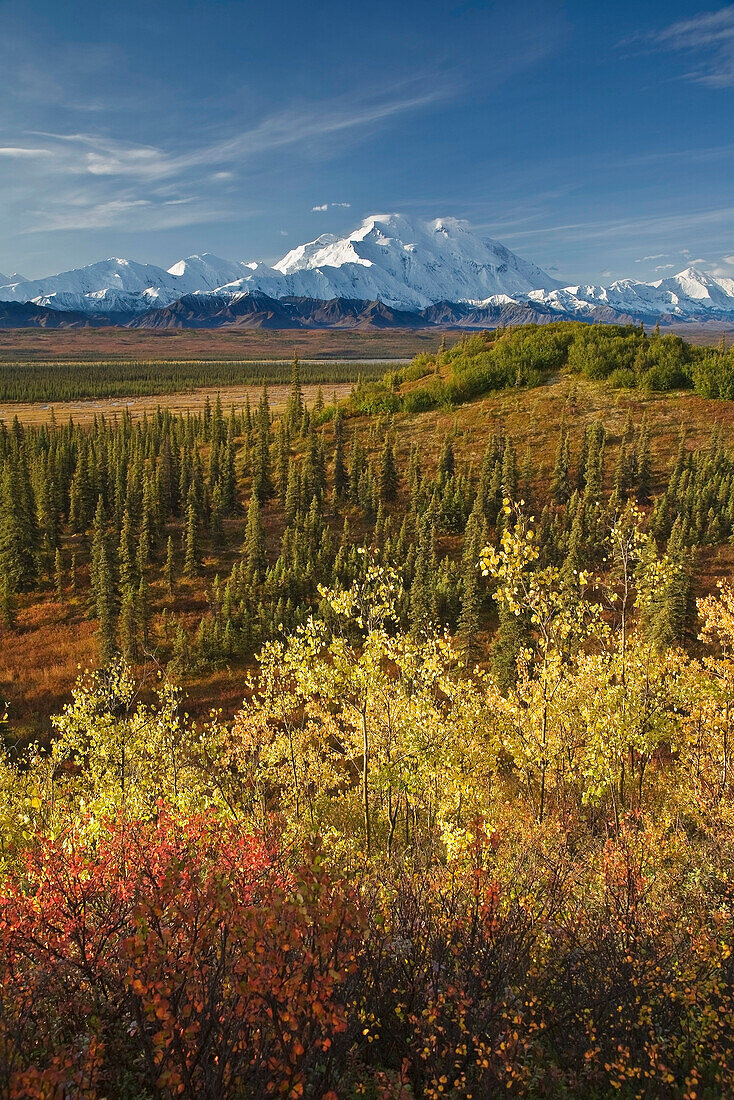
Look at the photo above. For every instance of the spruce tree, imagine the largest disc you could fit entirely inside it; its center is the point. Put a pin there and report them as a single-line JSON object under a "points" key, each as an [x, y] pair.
{"points": [[17, 533], [560, 485], [341, 477], [294, 404], [255, 541], [468, 627], [59, 575], [446, 461], [261, 476], [125, 565], [216, 521], [511, 636], [104, 603], [168, 567], [388, 474], [422, 589], [127, 631], [192, 562]]}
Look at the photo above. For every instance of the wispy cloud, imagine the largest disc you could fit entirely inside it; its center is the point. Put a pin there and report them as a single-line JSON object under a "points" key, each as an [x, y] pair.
{"points": [[710, 37], [99, 155], [139, 214], [96, 180], [330, 206], [19, 152], [623, 227]]}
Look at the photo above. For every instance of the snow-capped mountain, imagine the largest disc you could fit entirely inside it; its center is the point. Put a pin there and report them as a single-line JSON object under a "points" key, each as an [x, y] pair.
{"points": [[122, 286], [404, 264], [689, 294], [411, 264]]}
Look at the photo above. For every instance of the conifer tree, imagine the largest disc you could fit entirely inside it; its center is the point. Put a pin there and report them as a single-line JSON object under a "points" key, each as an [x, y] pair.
{"points": [[168, 567], [294, 405], [560, 485], [59, 575], [422, 589], [125, 565], [102, 585], [510, 638], [468, 627], [261, 476], [341, 477], [192, 563], [446, 461], [509, 472], [17, 532], [255, 541], [282, 459], [142, 609], [388, 474], [216, 521], [127, 625]]}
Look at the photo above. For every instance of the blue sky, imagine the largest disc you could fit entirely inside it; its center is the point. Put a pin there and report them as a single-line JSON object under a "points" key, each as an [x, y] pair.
{"points": [[596, 139]]}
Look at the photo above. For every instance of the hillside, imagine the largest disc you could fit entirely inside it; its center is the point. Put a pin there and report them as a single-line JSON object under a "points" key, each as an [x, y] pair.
{"points": [[49, 642]]}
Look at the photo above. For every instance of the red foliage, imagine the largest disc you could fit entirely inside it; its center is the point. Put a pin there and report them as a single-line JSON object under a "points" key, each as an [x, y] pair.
{"points": [[178, 950]]}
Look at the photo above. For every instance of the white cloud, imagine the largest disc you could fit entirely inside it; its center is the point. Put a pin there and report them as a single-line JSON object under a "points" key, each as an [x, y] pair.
{"points": [[319, 209], [664, 267], [19, 152], [330, 206], [118, 180], [710, 35], [124, 213], [99, 155]]}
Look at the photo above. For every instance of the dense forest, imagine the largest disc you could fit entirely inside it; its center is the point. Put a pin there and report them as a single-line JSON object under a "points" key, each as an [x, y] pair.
{"points": [[470, 832], [79, 381]]}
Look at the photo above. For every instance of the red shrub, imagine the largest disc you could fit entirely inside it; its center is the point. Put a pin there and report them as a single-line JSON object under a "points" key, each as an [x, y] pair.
{"points": [[176, 954]]}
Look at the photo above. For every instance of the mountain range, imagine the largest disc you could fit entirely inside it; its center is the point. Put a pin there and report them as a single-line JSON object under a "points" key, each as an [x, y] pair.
{"points": [[390, 272]]}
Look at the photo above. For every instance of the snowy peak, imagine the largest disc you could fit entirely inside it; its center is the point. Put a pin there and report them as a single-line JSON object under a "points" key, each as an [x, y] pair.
{"points": [[691, 294], [404, 263], [418, 263], [199, 274]]}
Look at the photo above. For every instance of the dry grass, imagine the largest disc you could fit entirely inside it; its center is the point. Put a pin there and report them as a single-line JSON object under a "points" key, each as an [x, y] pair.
{"points": [[41, 659], [83, 412]]}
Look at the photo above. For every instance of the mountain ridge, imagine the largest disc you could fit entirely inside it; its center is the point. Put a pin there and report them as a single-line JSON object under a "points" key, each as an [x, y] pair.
{"points": [[405, 266]]}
